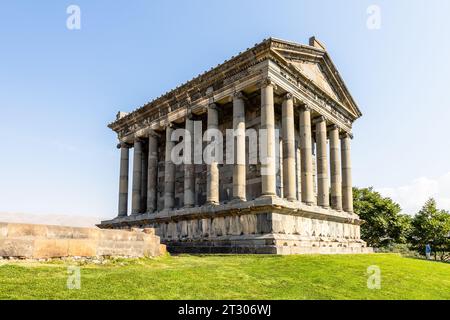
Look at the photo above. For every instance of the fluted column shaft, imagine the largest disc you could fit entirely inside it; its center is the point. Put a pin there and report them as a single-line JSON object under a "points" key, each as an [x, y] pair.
{"points": [[212, 183], [323, 193], [347, 192], [137, 178], [306, 156], [152, 172], [189, 168], [267, 137], [169, 172], [239, 171], [144, 177], [288, 135], [123, 180], [335, 168]]}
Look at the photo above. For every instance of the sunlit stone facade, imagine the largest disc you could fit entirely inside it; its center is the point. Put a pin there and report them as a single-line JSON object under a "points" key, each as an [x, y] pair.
{"points": [[296, 96]]}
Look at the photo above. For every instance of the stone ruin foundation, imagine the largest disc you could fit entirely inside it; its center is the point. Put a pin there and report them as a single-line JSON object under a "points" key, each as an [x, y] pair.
{"points": [[31, 241]]}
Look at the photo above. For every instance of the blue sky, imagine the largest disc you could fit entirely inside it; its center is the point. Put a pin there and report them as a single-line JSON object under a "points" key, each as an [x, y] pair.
{"points": [[59, 87]]}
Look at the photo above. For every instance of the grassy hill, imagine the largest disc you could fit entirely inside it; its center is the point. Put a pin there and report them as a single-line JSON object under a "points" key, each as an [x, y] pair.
{"points": [[231, 277]]}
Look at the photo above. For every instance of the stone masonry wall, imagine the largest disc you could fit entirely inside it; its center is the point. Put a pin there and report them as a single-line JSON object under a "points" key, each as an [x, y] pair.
{"points": [[46, 241]]}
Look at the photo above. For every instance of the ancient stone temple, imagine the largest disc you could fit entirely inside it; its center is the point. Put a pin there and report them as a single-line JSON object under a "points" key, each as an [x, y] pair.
{"points": [[296, 198]]}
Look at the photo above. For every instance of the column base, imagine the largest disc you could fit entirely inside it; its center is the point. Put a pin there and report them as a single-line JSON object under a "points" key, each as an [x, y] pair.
{"points": [[268, 196], [237, 200]]}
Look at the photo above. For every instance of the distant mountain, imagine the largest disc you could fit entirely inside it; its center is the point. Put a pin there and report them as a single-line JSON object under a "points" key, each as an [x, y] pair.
{"points": [[59, 220]]}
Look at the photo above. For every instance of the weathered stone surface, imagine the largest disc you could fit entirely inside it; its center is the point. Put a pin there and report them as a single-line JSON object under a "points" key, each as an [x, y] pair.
{"points": [[42, 241], [50, 248], [82, 247], [58, 232], [277, 186], [26, 230], [22, 248], [3, 229]]}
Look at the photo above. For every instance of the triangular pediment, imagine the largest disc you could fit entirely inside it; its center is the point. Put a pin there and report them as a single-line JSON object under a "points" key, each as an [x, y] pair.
{"points": [[315, 65], [312, 70]]}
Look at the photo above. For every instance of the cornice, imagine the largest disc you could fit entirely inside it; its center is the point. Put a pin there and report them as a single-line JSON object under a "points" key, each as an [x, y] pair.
{"points": [[194, 92], [196, 87]]}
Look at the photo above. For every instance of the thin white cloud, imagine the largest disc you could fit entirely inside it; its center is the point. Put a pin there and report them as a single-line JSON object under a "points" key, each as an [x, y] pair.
{"points": [[411, 197]]}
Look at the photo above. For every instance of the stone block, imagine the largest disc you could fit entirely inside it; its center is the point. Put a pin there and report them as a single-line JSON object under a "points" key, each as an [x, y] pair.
{"points": [[26, 230], [58, 232], [162, 249], [118, 235], [50, 248], [41, 241], [149, 231], [105, 247], [3, 230], [82, 247], [22, 248], [84, 233]]}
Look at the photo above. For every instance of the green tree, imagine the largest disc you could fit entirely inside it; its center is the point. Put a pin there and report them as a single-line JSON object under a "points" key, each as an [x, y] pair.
{"points": [[384, 225], [432, 226]]}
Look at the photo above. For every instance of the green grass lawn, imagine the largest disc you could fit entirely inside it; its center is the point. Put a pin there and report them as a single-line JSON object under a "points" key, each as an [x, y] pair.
{"points": [[231, 277]]}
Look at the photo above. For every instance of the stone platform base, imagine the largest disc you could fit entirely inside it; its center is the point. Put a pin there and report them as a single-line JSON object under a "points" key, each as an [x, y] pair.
{"points": [[268, 244], [32, 241], [264, 225]]}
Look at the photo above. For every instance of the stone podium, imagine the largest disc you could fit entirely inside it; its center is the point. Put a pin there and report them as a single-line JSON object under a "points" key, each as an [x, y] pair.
{"points": [[298, 200]]}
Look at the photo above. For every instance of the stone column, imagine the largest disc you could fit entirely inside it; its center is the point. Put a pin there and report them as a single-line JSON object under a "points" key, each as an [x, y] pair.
{"points": [[169, 172], [189, 167], [268, 181], [306, 156], [212, 183], [335, 168], [137, 178], [239, 172], [152, 172], [347, 192], [144, 177], [288, 135], [323, 194], [123, 181]]}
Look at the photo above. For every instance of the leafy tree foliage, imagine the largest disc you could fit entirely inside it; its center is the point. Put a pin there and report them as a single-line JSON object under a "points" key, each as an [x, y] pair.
{"points": [[384, 225], [432, 226]]}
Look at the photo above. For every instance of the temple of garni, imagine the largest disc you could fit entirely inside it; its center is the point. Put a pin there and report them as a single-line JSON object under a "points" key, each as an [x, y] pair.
{"points": [[280, 183]]}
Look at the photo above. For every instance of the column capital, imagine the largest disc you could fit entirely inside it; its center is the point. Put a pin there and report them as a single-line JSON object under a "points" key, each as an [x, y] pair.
{"points": [[334, 127], [305, 107], [288, 96], [169, 125], [268, 81], [239, 95], [123, 145], [344, 135], [319, 119], [189, 114], [139, 139], [213, 106], [153, 133]]}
